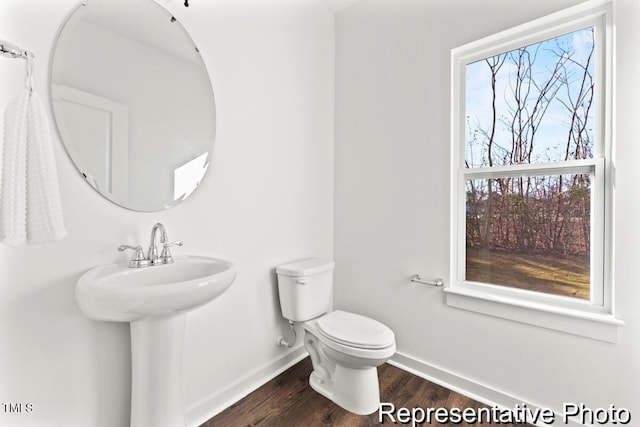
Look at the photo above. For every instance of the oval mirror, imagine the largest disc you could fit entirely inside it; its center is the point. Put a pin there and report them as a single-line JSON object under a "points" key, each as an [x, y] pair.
{"points": [[133, 102]]}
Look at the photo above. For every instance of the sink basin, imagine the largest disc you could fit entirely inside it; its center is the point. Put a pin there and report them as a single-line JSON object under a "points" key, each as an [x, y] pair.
{"points": [[118, 293], [155, 301]]}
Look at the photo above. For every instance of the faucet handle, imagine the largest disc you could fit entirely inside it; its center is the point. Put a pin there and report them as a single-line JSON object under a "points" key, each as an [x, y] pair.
{"points": [[138, 259], [165, 256]]}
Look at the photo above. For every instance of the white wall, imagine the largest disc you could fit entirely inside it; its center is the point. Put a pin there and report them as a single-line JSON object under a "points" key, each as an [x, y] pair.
{"points": [[268, 199], [392, 204]]}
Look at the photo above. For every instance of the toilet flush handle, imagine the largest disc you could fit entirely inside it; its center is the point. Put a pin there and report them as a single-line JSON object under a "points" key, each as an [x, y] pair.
{"points": [[301, 281]]}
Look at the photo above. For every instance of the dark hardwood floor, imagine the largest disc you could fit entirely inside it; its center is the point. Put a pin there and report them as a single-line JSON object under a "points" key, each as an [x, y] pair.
{"points": [[289, 401]]}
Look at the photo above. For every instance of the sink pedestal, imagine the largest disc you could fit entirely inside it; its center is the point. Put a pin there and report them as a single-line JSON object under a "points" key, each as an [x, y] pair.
{"points": [[157, 397], [155, 300]]}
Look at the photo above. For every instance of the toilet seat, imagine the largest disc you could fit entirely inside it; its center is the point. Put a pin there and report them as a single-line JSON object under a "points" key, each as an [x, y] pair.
{"points": [[354, 330], [345, 331]]}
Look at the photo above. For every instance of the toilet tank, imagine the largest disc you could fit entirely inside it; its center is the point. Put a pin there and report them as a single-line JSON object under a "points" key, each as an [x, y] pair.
{"points": [[305, 288]]}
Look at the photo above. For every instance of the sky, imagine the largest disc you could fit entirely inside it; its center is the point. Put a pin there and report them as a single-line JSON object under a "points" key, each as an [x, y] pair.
{"points": [[551, 135]]}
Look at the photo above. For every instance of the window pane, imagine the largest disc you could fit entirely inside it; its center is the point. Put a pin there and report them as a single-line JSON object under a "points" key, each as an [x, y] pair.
{"points": [[530, 232], [533, 104]]}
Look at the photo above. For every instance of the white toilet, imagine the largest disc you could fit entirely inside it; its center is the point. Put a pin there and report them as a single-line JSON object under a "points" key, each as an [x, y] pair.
{"points": [[345, 348]]}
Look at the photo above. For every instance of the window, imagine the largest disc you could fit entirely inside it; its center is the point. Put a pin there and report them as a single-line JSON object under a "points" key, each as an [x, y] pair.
{"points": [[531, 173]]}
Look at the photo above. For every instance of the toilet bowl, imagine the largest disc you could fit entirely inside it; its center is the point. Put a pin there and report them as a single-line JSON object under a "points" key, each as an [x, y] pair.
{"points": [[346, 372], [345, 348]]}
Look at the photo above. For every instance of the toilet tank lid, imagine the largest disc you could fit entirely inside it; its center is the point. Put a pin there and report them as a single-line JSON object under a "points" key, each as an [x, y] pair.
{"points": [[306, 267]]}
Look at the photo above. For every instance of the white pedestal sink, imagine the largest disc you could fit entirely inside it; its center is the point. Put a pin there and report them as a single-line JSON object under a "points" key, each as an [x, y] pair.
{"points": [[155, 301]]}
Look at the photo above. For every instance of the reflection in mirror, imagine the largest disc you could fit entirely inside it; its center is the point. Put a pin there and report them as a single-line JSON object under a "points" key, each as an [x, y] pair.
{"points": [[133, 102]]}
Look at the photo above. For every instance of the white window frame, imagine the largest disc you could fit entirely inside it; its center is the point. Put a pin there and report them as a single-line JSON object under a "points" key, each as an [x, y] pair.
{"points": [[594, 318]]}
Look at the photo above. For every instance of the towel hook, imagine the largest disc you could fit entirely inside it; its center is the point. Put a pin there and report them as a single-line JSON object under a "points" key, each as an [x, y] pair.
{"points": [[10, 50]]}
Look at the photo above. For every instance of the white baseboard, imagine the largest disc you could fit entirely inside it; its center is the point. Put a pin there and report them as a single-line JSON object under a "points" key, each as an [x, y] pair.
{"points": [[482, 393], [207, 408], [212, 405]]}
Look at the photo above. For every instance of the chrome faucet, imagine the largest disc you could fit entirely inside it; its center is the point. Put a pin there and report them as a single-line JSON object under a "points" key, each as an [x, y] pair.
{"points": [[165, 256], [152, 257]]}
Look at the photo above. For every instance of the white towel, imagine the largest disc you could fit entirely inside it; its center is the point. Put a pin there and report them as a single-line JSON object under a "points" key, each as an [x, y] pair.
{"points": [[30, 208]]}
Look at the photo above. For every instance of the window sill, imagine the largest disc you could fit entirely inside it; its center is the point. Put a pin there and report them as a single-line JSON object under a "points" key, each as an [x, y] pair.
{"points": [[599, 326]]}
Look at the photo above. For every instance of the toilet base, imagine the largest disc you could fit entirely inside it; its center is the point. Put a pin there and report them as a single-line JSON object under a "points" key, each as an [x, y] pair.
{"points": [[355, 390]]}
